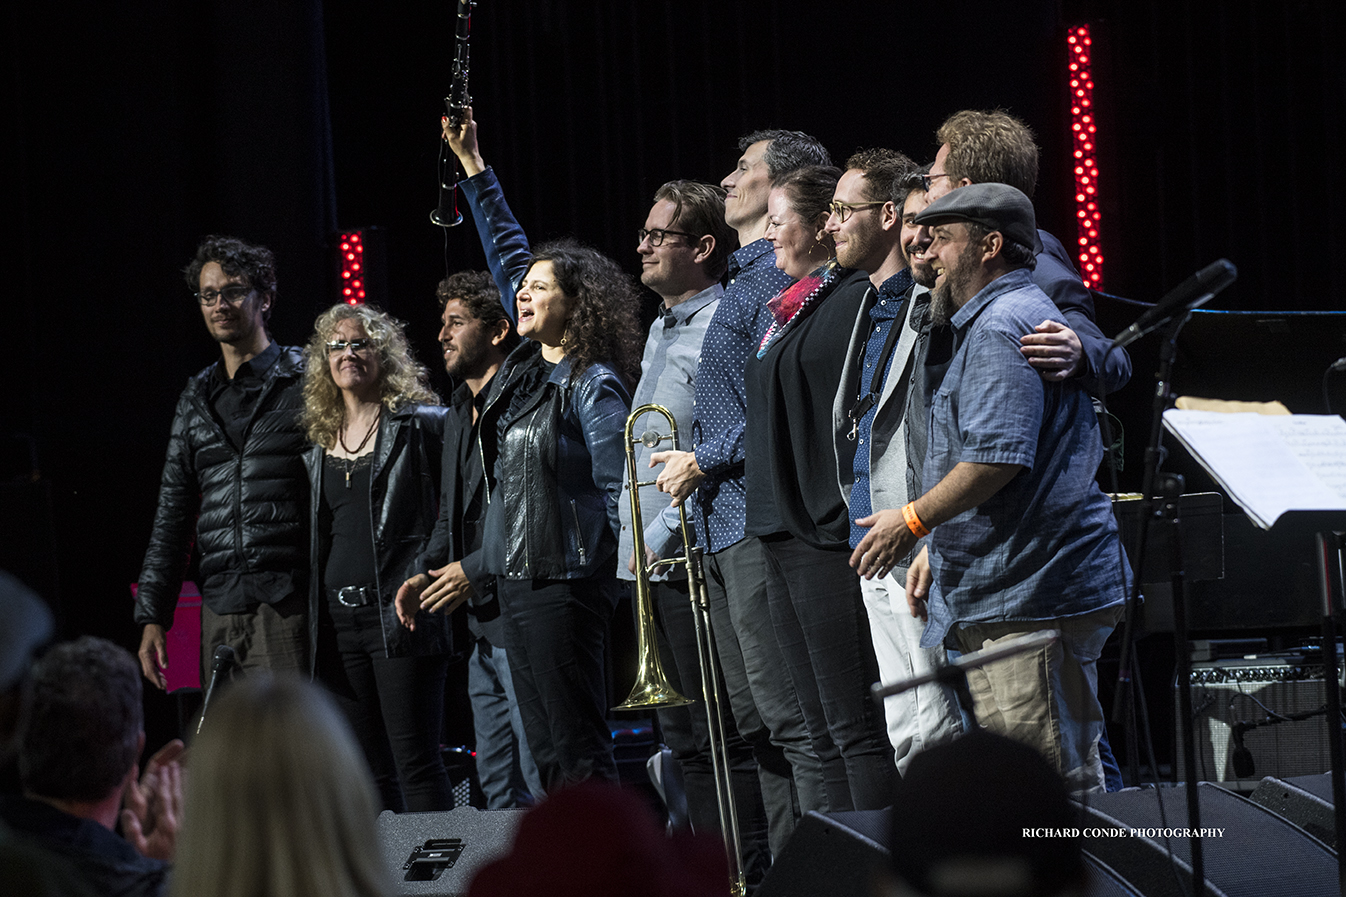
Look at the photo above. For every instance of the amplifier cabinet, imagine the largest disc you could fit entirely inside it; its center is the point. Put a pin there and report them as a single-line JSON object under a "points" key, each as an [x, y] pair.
{"points": [[1227, 692]]}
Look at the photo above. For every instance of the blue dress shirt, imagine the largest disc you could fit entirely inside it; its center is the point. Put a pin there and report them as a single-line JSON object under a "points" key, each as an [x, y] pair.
{"points": [[720, 413]]}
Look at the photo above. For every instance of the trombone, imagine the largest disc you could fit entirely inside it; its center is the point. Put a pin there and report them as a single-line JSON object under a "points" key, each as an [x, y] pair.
{"points": [[652, 688]]}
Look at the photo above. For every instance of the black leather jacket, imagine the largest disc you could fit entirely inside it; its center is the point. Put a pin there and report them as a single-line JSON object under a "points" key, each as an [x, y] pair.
{"points": [[403, 497], [554, 467], [556, 472], [248, 507]]}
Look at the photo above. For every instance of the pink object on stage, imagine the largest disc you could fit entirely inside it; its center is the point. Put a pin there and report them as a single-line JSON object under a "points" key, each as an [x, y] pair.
{"points": [[184, 639]]}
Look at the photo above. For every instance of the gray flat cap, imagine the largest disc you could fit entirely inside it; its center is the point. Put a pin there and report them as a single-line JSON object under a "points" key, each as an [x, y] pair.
{"points": [[999, 207]]}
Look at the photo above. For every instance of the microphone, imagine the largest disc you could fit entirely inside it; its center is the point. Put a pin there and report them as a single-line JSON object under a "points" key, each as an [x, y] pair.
{"points": [[223, 659], [1242, 757], [1193, 292], [1032, 641]]}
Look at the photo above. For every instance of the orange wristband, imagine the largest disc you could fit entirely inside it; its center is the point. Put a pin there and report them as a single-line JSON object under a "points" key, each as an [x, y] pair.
{"points": [[913, 522]]}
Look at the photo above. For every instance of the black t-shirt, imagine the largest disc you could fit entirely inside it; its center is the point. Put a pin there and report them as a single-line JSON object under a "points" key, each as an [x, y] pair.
{"points": [[349, 525]]}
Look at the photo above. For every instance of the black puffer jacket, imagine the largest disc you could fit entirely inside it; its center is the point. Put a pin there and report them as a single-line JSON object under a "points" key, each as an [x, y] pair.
{"points": [[249, 508], [403, 506]]}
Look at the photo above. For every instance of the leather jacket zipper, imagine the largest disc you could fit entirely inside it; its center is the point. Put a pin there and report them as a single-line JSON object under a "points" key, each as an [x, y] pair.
{"points": [[579, 536]]}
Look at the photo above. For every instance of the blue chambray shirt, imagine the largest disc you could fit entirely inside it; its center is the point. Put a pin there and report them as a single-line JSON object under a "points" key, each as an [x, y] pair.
{"points": [[1045, 546], [667, 378], [721, 413]]}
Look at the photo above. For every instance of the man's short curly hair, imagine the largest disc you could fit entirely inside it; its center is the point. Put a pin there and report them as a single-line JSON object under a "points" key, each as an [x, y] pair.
{"points": [[84, 731], [699, 209], [481, 297], [255, 264], [787, 151], [990, 148], [603, 326], [887, 174]]}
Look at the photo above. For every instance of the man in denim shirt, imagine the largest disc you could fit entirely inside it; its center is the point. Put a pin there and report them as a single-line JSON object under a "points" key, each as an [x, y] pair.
{"points": [[764, 702], [1023, 539]]}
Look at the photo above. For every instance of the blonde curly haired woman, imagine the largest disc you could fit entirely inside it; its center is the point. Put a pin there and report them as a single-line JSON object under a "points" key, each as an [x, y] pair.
{"points": [[373, 470]]}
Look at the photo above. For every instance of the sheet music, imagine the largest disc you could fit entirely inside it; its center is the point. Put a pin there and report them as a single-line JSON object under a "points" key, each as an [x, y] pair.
{"points": [[1269, 464]]}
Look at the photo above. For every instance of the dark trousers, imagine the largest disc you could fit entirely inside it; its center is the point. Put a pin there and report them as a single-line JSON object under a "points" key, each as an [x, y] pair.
{"points": [[270, 637], [394, 704], [823, 631], [556, 630], [761, 695], [686, 731]]}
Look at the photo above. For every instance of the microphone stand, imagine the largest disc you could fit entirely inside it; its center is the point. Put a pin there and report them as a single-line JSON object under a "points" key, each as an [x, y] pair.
{"points": [[1170, 487], [954, 674]]}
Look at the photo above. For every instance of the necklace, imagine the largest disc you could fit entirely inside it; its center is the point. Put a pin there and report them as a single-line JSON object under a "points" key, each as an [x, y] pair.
{"points": [[341, 439]]}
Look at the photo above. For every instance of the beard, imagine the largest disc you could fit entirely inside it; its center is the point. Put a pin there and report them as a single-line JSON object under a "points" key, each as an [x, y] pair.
{"points": [[922, 272], [860, 245], [466, 361], [956, 290]]}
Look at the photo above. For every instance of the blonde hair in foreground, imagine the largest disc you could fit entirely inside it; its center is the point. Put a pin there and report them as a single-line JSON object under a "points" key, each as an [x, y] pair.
{"points": [[279, 800]]}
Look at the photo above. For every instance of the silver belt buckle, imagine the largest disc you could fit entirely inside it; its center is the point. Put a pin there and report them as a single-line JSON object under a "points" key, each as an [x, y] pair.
{"points": [[356, 592]]}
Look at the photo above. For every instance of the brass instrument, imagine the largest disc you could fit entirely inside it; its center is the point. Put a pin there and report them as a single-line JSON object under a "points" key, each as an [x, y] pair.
{"points": [[652, 688]]}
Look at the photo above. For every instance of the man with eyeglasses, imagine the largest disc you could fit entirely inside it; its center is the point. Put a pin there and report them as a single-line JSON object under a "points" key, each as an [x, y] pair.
{"points": [[684, 250], [234, 477], [765, 705], [995, 147], [876, 464]]}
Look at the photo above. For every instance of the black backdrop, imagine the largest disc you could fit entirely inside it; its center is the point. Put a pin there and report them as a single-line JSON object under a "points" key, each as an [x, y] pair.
{"points": [[133, 132]]}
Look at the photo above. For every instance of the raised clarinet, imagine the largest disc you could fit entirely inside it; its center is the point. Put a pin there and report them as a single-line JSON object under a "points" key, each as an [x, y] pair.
{"points": [[446, 214]]}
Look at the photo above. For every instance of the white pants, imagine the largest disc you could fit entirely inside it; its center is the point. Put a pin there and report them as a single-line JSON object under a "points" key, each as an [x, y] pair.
{"points": [[921, 717]]}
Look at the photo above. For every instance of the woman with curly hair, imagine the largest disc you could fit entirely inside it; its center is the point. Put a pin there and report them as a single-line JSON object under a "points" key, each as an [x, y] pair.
{"points": [[551, 441], [377, 431]]}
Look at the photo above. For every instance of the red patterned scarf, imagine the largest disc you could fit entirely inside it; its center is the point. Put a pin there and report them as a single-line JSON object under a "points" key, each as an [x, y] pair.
{"points": [[787, 305]]}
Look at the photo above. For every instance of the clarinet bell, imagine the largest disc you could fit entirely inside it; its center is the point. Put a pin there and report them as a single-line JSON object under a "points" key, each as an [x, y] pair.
{"points": [[447, 214]]}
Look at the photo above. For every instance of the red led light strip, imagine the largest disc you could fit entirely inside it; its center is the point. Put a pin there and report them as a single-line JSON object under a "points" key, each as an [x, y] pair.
{"points": [[352, 268], [1083, 126]]}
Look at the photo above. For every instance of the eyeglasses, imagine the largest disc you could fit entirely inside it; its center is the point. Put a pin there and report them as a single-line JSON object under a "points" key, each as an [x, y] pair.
{"points": [[358, 346], [656, 236], [843, 210], [232, 295], [928, 179]]}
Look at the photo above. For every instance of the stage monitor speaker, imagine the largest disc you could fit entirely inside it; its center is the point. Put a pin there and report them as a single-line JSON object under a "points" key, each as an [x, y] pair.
{"points": [[1225, 692], [1250, 851], [838, 854], [436, 854], [841, 855], [1306, 801]]}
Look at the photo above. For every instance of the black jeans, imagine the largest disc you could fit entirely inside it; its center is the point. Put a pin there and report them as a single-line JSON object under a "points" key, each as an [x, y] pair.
{"points": [[823, 631], [555, 631], [394, 704]]}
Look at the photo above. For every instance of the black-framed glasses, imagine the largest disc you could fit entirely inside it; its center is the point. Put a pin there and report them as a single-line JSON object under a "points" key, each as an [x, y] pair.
{"points": [[928, 179], [358, 346], [231, 294], [656, 235], [844, 210]]}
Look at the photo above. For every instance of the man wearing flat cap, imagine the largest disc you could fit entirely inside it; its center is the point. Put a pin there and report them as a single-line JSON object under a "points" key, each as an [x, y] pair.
{"points": [[1018, 536]]}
